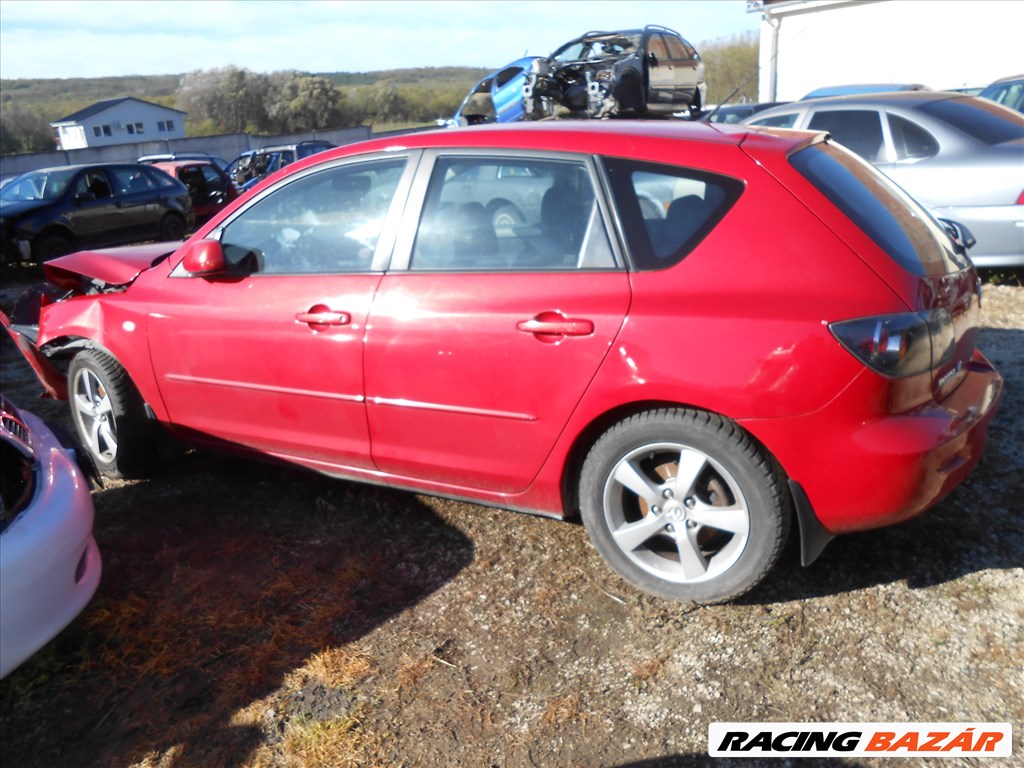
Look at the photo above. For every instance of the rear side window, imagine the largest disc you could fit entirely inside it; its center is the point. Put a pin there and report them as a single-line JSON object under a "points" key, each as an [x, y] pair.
{"points": [[856, 129], [911, 141], [886, 213], [666, 210]]}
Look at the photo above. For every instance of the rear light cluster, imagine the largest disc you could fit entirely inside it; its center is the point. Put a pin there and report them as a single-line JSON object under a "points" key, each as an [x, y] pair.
{"points": [[899, 345]]}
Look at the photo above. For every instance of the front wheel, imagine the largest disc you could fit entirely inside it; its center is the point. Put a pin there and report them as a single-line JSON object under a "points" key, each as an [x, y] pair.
{"points": [[172, 227], [683, 504], [109, 415]]}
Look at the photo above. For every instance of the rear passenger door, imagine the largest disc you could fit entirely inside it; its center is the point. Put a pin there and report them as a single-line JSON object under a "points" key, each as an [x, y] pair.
{"points": [[138, 198], [685, 68], [660, 76], [494, 318]]}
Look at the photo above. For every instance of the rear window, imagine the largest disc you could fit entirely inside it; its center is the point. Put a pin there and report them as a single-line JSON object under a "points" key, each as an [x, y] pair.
{"points": [[988, 123], [886, 213]]}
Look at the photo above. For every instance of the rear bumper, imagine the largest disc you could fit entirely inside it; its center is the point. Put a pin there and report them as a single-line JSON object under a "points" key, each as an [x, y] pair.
{"points": [[863, 471]]}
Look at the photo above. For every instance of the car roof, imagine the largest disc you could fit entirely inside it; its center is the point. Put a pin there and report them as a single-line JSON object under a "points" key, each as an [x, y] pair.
{"points": [[588, 136], [908, 99], [81, 166], [863, 88], [182, 163]]}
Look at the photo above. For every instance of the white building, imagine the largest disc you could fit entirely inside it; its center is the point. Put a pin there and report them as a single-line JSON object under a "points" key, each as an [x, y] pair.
{"points": [[119, 121], [942, 44]]}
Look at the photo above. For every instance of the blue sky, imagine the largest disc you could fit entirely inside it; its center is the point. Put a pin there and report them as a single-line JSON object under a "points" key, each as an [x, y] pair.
{"points": [[83, 38]]}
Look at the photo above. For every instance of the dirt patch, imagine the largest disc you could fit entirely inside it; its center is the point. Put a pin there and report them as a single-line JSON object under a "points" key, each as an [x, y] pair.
{"points": [[255, 615]]}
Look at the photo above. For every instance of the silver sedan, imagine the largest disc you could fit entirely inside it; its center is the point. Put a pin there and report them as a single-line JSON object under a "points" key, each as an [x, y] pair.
{"points": [[962, 157]]}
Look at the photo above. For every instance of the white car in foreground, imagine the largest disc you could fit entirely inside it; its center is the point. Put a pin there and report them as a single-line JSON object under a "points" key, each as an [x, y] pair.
{"points": [[49, 562]]}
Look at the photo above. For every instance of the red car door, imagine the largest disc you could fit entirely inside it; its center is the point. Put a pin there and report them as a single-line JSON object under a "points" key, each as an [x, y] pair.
{"points": [[269, 355], [478, 352]]}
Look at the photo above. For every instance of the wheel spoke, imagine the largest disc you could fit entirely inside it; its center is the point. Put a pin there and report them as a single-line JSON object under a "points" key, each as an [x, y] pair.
{"points": [[109, 438], [94, 436], [694, 564], [632, 535], [691, 464], [629, 476], [732, 519], [84, 405], [87, 386]]}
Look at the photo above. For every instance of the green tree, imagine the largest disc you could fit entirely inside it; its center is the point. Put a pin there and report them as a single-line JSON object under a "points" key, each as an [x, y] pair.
{"points": [[24, 130], [731, 63]]}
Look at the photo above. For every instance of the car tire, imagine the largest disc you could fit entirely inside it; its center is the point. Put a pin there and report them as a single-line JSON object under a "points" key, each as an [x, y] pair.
{"points": [[705, 534], [172, 227], [51, 246], [506, 216], [630, 98], [109, 416]]}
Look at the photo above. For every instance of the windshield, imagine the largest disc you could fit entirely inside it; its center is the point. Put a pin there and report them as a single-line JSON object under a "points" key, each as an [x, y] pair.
{"points": [[38, 185], [598, 47]]}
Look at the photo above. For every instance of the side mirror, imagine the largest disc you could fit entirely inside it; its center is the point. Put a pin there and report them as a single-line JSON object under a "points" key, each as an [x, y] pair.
{"points": [[204, 258], [959, 234]]}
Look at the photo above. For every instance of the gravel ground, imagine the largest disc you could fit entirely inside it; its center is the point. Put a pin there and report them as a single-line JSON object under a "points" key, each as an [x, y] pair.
{"points": [[486, 638]]}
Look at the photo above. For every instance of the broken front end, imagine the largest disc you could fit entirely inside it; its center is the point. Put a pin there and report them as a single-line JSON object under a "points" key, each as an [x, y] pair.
{"points": [[582, 89]]}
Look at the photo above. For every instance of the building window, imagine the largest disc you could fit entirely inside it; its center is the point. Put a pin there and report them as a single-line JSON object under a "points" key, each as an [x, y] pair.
{"points": [[161, 126], [138, 128], [170, 125], [131, 128], [97, 131], [106, 130]]}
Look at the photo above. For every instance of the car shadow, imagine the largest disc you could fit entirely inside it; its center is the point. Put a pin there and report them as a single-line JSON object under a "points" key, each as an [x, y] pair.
{"points": [[976, 528], [223, 579]]}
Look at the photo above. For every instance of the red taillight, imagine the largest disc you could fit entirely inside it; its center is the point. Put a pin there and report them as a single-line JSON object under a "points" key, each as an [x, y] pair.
{"points": [[899, 345], [1020, 198]]}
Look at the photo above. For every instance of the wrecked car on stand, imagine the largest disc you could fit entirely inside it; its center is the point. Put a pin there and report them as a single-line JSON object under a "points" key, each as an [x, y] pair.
{"points": [[630, 73]]}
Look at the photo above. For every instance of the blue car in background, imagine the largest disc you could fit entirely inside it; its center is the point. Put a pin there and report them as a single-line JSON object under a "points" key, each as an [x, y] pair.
{"points": [[498, 98]]}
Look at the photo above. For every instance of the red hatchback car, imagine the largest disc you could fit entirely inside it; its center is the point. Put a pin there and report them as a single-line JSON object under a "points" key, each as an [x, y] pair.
{"points": [[501, 314], [209, 187]]}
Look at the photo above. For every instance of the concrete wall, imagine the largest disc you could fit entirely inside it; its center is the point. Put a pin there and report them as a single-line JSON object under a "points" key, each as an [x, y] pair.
{"points": [[228, 146], [939, 43]]}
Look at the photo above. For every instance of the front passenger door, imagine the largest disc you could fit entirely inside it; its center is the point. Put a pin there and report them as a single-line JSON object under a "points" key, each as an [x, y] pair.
{"points": [[269, 356]]}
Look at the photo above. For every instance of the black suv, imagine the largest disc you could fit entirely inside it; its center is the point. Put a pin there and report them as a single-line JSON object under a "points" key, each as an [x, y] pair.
{"points": [[631, 73], [55, 211]]}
